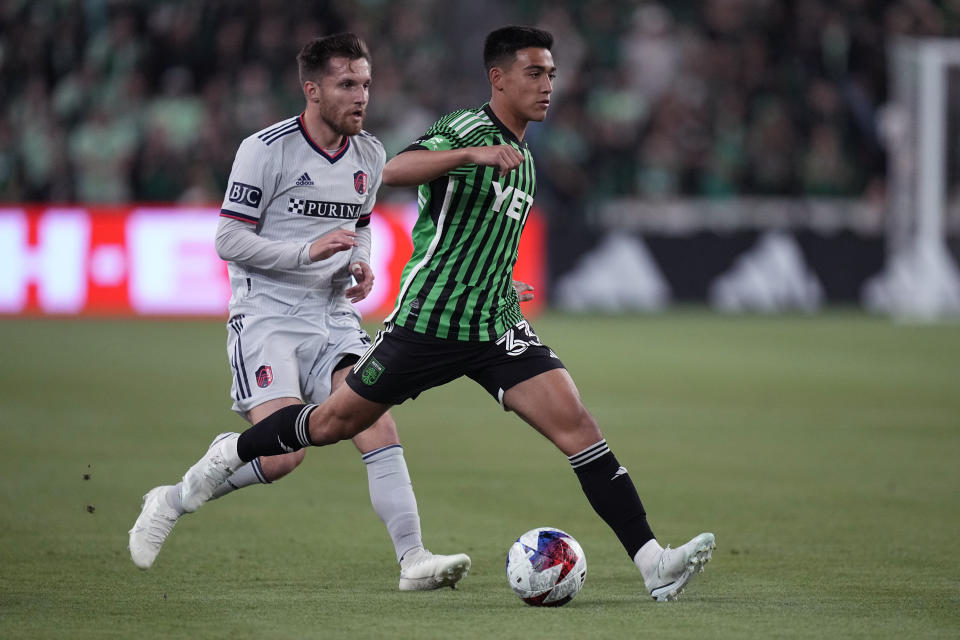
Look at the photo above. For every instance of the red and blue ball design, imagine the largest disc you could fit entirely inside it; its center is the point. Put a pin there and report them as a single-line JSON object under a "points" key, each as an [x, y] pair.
{"points": [[546, 567]]}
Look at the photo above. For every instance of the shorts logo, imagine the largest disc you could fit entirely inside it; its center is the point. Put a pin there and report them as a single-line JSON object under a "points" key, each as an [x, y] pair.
{"points": [[371, 372], [360, 182], [245, 194], [264, 376]]}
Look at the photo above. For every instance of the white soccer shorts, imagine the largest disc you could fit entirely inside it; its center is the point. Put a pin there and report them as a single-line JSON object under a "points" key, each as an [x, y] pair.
{"points": [[287, 356]]}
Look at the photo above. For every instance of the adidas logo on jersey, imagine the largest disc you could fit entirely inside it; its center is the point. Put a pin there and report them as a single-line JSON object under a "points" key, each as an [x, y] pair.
{"points": [[304, 180]]}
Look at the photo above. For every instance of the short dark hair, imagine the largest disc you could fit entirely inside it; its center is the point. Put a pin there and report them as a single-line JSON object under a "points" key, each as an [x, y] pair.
{"points": [[502, 44], [314, 57]]}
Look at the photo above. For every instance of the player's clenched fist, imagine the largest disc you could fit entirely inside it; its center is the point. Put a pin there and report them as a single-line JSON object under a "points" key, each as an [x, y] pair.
{"points": [[331, 243], [502, 156]]}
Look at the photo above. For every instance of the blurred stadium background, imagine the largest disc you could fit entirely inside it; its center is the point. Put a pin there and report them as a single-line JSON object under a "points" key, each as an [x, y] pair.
{"points": [[796, 163], [749, 154]]}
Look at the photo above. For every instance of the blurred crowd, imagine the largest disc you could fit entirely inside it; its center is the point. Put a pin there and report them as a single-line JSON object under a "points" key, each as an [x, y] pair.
{"points": [[108, 101]]}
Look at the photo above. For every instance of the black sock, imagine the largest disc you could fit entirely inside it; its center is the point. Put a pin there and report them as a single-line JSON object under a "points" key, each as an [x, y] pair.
{"points": [[612, 495], [283, 431]]}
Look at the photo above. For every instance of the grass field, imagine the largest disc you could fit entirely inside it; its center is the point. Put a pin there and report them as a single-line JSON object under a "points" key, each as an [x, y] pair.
{"points": [[824, 453]]}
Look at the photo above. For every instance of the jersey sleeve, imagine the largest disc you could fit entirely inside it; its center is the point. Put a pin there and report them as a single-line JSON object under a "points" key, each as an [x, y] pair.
{"points": [[252, 183], [376, 179], [361, 252], [238, 242], [441, 137]]}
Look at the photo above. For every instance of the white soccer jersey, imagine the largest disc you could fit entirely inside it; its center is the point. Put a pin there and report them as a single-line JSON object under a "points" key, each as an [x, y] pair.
{"points": [[293, 191]]}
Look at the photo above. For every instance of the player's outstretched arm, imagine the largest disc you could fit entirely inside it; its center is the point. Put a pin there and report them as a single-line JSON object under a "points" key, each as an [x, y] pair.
{"points": [[420, 166]]}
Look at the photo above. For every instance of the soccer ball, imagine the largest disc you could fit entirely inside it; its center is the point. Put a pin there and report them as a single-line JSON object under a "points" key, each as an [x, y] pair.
{"points": [[546, 567]]}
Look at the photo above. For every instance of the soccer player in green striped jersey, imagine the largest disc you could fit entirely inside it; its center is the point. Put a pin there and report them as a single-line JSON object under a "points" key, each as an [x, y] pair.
{"points": [[458, 313], [458, 283]]}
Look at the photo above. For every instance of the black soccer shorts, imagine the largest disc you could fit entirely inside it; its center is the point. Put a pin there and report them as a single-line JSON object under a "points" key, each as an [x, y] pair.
{"points": [[402, 364]]}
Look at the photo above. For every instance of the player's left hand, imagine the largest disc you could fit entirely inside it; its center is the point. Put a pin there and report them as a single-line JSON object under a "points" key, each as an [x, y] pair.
{"points": [[363, 274], [524, 290]]}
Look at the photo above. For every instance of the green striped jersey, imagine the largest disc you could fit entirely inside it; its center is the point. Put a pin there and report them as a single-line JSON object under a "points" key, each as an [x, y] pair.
{"points": [[458, 283]]}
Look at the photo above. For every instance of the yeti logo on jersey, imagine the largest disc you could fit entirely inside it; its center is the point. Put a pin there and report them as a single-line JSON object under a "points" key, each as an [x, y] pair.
{"points": [[264, 376], [360, 182], [371, 372], [317, 209], [519, 338], [519, 204], [245, 194]]}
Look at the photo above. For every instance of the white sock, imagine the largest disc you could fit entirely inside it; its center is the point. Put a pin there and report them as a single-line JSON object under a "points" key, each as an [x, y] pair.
{"points": [[173, 498], [248, 474], [391, 494], [647, 557]]}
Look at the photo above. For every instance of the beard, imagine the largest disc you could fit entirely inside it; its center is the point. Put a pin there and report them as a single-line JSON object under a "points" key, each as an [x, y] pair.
{"points": [[342, 124]]}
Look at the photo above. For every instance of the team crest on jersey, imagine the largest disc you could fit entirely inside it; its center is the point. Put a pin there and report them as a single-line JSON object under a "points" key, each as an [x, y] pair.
{"points": [[371, 372], [264, 376], [360, 182]]}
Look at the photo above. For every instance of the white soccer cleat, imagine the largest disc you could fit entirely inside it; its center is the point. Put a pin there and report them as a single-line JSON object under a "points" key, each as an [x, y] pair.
{"points": [[676, 566], [426, 571], [212, 470], [152, 527]]}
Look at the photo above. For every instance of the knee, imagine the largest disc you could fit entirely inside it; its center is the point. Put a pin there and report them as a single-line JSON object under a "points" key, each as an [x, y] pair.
{"points": [[586, 422], [385, 430], [573, 414], [382, 433], [582, 432]]}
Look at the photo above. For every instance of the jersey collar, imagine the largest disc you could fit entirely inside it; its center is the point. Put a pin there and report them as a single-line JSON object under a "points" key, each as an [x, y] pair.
{"points": [[507, 134], [336, 154]]}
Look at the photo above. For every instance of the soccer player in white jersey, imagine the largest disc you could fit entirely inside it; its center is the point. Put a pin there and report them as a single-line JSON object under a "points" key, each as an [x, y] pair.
{"points": [[294, 228]]}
